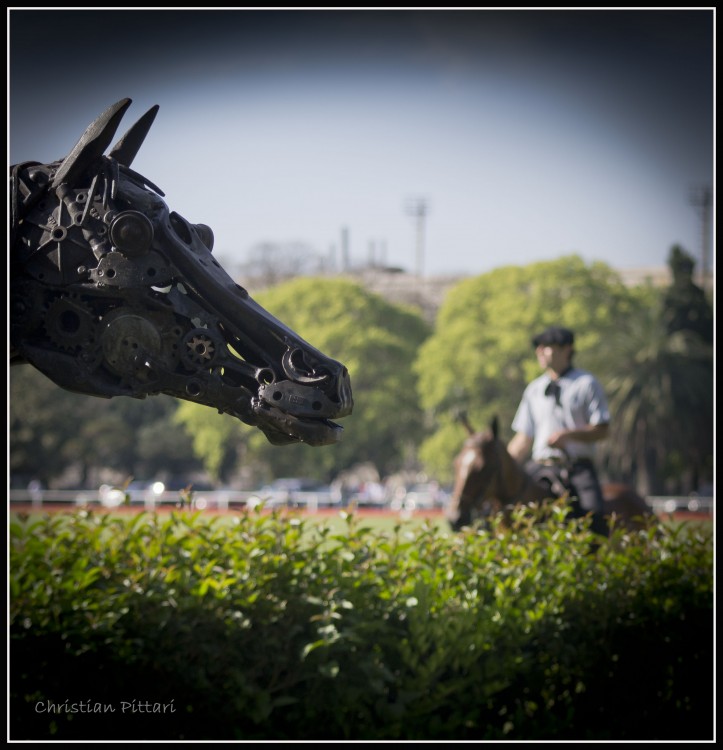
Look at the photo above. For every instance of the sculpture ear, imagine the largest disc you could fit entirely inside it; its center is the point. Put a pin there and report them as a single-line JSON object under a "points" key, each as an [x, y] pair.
{"points": [[128, 146], [495, 426], [92, 144]]}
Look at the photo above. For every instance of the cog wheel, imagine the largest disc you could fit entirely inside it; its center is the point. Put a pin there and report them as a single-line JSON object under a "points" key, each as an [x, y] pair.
{"points": [[128, 339], [69, 324], [198, 348]]}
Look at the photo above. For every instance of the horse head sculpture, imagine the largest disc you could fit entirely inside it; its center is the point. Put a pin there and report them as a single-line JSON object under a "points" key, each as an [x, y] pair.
{"points": [[113, 294]]}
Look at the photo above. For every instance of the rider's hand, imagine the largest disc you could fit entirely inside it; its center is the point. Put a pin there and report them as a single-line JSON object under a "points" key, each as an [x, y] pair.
{"points": [[558, 439]]}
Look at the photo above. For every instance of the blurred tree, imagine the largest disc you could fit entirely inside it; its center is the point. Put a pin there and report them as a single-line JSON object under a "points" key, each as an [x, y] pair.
{"points": [[270, 263], [218, 440], [661, 398], [652, 351], [661, 394], [41, 423], [51, 430], [480, 357], [685, 306], [162, 449], [378, 342]]}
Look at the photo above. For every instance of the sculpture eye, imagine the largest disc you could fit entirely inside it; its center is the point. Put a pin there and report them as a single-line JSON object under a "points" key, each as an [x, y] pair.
{"points": [[131, 232]]}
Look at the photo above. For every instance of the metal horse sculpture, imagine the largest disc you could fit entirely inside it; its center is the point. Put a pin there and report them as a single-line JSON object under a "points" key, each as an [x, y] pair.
{"points": [[112, 294], [488, 480]]}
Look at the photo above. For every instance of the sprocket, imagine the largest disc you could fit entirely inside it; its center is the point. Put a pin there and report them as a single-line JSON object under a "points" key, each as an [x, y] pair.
{"points": [[69, 323], [199, 348]]}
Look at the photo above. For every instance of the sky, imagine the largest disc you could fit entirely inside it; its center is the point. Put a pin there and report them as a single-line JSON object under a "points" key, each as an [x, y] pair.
{"points": [[527, 135]]}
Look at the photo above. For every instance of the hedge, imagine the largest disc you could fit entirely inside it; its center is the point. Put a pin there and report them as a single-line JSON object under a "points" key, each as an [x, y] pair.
{"points": [[272, 627]]}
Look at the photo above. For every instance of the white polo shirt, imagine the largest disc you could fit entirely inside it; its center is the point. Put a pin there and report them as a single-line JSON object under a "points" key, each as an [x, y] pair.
{"points": [[543, 410]]}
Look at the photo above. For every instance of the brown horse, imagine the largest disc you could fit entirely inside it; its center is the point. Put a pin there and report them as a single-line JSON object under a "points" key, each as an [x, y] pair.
{"points": [[488, 480]]}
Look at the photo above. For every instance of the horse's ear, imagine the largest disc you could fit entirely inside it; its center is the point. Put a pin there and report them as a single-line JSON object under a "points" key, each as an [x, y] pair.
{"points": [[128, 146], [495, 425], [461, 416], [92, 144]]}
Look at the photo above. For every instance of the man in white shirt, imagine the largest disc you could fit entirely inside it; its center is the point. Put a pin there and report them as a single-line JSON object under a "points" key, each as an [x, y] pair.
{"points": [[561, 416]]}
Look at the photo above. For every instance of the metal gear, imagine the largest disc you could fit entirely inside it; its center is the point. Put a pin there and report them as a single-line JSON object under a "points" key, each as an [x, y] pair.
{"points": [[69, 323], [128, 339], [198, 348]]}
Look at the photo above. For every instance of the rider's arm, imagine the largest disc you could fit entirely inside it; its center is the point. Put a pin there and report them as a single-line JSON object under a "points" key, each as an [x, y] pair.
{"points": [[588, 434], [519, 447]]}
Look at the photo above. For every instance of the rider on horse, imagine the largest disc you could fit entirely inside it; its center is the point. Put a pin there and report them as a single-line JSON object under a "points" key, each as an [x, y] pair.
{"points": [[561, 416]]}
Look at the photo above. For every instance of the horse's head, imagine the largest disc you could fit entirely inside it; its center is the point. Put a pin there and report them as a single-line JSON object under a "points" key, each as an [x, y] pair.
{"points": [[114, 294], [478, 475]]}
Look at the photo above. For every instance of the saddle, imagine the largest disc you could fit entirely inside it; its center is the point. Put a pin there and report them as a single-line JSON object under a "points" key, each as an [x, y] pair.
{"points": [[556, 479]]}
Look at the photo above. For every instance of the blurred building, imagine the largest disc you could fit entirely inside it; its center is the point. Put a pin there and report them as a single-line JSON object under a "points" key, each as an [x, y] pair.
{"points": [[427, 293]]}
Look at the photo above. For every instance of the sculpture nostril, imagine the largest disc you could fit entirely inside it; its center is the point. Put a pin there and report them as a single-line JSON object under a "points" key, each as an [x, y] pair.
{"points": [[180, 226], [205, 234]]}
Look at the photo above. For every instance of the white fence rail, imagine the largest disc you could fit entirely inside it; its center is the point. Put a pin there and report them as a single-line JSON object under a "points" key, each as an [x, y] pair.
{"points": [[219, 499], [225, 499], [677, 504]]}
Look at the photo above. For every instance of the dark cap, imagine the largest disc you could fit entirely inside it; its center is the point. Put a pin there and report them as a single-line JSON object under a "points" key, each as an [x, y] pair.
{"points": [[554, 335]]}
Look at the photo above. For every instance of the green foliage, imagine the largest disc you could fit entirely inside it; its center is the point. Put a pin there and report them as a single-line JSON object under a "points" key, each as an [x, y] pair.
{"points": [[275, 628], [479, 357], [51, 429], [377, 341], [650, 348], [219, 441], [40, 424], [660, 378], [686, 307]]}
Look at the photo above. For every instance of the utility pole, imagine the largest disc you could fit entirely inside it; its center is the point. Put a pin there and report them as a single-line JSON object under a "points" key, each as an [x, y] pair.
{"points": [[344, 249], [701, 198], [418, 209], [372, 254]]}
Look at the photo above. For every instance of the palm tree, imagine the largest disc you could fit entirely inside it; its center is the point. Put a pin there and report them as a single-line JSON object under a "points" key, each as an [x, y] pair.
{"points": [[661, 401]]}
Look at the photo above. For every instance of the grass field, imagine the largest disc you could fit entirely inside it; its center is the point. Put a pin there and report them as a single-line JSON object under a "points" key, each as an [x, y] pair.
{"points": [[336, 520], [333, 518]]}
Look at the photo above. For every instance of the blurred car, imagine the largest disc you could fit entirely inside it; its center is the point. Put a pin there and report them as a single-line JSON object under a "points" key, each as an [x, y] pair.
{"points": [[424, 496], [370, 495], [111, 496], [156, 492], [180, 491], [294, 492]]}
